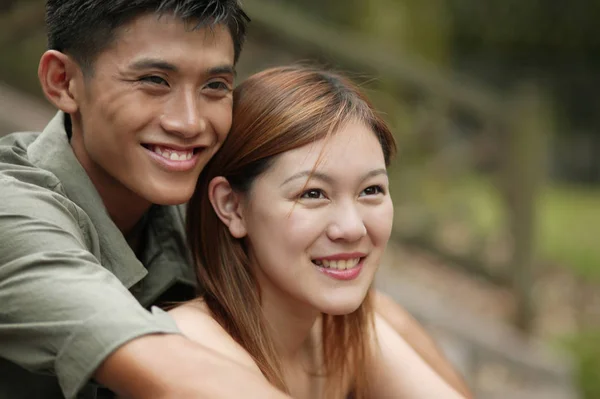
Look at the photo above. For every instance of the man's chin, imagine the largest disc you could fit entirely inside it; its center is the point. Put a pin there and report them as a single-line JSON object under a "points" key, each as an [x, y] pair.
{"points": [[172, 200], [173, 196]]}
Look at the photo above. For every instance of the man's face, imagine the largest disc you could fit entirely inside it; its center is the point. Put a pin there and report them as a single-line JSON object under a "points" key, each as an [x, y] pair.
{"points": [[155, 108]]}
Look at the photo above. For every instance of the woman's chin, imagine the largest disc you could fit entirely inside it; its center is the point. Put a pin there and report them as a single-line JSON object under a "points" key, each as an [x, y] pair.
{"points": [[341, 307]]}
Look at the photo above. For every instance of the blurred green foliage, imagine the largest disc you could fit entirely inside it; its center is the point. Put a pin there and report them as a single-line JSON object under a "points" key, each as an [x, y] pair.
{"points": [[567, 226], [585, 347]]}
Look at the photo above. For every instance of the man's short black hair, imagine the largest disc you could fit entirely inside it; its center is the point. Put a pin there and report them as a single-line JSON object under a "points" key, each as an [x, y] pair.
{"points": [[84, 28]]}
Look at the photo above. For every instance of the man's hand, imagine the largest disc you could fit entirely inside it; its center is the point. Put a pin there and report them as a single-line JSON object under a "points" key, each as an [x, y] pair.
{"points": [[171, 366]]}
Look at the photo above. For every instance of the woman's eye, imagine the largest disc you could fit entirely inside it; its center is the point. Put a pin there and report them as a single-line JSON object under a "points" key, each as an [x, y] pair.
{"points": [[157, 80], [372, 190], [313, 194]]}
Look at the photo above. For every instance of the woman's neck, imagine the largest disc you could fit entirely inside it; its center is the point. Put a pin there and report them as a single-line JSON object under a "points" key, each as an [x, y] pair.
{"points": [[290, 324]]}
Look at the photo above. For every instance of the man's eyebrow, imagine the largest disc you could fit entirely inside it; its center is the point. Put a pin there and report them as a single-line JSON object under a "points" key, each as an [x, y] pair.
{"points": [[156, 63], [153, 63], [222, 70], [328, 179]]}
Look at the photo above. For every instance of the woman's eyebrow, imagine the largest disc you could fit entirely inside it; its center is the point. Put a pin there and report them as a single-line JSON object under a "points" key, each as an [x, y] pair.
{"points": [[328, 179], [375, 172], [312, 174]]}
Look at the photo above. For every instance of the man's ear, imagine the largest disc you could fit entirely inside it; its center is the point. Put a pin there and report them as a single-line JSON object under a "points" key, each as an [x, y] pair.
{"points": [[57, 73], [227, 205]]}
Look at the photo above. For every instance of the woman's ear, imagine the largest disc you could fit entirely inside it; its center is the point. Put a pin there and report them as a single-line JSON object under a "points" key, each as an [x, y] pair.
{"points": [[227, 205], [58, 75]]}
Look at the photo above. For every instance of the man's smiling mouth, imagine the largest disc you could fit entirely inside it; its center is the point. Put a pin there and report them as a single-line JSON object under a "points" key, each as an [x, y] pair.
{"points": [[174, 159], [172, 154]]}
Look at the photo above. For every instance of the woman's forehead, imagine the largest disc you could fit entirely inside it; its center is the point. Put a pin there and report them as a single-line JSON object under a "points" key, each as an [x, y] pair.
{"points": [[353, 144]]}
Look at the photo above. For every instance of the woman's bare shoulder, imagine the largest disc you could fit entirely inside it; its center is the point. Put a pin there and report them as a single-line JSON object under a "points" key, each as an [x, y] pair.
{"points": [[196, 322], [398, 371]]}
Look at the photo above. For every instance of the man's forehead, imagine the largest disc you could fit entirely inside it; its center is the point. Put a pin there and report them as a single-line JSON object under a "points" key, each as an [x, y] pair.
{"points": [[157, 27], [168, 45]]}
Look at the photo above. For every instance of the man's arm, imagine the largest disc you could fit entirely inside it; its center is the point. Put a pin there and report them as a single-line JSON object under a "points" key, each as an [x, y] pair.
{"points": [[418, 338], [63, 314], [172, 366]]}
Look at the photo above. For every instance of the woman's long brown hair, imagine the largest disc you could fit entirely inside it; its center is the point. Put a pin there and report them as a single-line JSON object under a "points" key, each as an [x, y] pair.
{"points": [[275, 111]]}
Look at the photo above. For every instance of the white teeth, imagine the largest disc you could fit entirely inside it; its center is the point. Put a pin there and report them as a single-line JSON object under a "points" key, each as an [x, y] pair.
{"points": [[174, 155], [338, 264]]}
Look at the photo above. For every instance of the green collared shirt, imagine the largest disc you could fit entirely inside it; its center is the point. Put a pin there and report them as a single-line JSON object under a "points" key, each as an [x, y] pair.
{"points": [[70, 285]]}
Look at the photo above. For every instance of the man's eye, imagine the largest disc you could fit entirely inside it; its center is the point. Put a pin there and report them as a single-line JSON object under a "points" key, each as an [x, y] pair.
{"points": [[372, 190], [218, 85], [157, 80], [313, 194]]}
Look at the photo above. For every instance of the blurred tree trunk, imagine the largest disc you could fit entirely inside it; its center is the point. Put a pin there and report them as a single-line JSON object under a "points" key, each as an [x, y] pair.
{"points": [[524, 168]]}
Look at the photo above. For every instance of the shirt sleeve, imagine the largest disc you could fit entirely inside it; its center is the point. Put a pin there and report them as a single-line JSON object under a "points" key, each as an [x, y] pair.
{"points": [[62, 313]]}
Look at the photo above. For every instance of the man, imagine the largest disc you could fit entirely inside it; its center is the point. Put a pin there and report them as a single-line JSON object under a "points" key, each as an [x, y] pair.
{"points": [[89, 229], [144, 89]]}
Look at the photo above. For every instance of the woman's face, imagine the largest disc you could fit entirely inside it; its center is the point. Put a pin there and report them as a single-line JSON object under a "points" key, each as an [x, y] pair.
{"points": [[318, 241]]}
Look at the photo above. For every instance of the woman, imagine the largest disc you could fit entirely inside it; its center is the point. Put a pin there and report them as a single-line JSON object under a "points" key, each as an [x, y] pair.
{"points": [[288, 222]]}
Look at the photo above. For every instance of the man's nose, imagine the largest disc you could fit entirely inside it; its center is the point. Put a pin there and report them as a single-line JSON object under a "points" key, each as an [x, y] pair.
{"points": [[183, 116]]}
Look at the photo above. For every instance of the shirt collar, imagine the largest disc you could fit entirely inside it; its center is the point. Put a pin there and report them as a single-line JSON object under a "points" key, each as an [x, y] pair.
{"points": [[52, 151]]}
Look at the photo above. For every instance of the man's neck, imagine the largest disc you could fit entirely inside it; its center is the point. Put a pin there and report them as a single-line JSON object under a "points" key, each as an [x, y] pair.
{"points": [[124, 207], [135, 237]]}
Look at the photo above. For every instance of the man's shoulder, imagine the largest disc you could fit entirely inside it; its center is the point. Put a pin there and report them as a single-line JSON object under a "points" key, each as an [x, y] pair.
{"points": [[27, 188], [17, 142], [15, 163], [13, 147]]}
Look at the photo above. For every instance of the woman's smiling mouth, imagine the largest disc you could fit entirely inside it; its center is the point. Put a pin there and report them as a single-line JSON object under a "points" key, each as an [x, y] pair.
{"points": [[338, 264], [341, 266]]}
